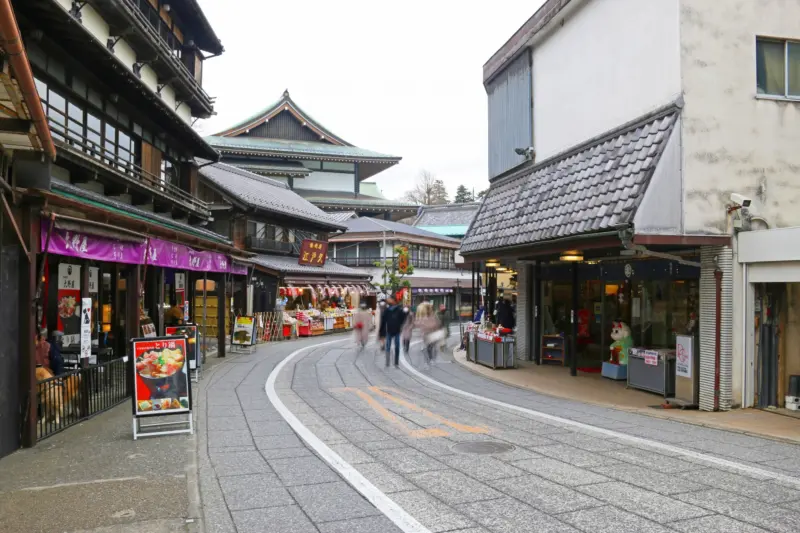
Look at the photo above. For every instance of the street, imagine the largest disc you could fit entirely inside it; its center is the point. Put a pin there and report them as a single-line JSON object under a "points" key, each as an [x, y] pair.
{"points": [[447, 462]]}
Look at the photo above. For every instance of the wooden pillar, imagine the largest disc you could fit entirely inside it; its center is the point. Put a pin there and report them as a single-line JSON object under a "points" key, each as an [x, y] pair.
{"points": [[27, 323], [84, 294], [159, 316], [573, 349], [222, 305], [133, 289], [536, 306]]}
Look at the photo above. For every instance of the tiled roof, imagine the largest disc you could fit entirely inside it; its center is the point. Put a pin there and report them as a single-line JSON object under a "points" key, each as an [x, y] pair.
{"points": [[342, 216], [373, 225], [68, 190], [451, 231], [347, 198], [594, 187], [281, 147], [289, 265], [266, 194], [447, 215]]}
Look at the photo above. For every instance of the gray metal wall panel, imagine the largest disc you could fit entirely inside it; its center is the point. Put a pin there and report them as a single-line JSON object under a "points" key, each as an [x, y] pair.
{"points": [[708, 321], [510, 115], [283, 126]]}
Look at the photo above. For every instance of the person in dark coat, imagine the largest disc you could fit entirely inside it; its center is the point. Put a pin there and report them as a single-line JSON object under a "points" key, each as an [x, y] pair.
{"points": [[56, 359], [505, 314], [392, 320]]}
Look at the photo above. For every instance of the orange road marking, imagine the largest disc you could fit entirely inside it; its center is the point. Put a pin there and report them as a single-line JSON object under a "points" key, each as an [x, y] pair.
{"points": [[391, 417], [463, 428]]}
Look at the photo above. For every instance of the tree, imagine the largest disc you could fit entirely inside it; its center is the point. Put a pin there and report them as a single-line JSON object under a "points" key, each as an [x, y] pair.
{"points": [[428, 190], [393, 279], [463, 195], [482, 193]]}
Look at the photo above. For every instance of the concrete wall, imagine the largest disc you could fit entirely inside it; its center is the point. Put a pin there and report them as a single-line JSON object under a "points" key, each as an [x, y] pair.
{"points": [[326, 181], [733, 141], [611, 61]]}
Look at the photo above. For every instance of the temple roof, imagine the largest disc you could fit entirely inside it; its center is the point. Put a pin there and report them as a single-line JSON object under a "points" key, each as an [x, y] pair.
{"points": [[284, 104], [298, 149]]}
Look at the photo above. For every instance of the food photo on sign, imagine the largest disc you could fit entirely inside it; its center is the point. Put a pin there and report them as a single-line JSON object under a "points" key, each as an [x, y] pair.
{"points": [[69, 303], [244, 331], [190, 332], [161, 384]]}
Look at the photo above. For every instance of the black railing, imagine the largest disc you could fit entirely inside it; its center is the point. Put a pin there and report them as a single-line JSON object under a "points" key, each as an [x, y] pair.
{"points": [[124, 168], [72, 397], [268, 245], [370, 261], [165, 39]]}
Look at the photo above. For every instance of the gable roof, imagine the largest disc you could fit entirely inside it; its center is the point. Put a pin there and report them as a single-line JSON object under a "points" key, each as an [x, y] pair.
{"points": [[343, 216], [447, 215], [593, 187], [368, 225], [285, 103], [319, 196], [266, 194]]}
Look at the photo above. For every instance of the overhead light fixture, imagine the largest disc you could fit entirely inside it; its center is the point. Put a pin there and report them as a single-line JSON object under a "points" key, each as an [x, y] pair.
{"points": [[572, 255], [492, 263], [501, 269]]}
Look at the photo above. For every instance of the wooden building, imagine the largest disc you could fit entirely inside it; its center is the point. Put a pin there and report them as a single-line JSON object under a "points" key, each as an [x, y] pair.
{"points": [[284, 143]]}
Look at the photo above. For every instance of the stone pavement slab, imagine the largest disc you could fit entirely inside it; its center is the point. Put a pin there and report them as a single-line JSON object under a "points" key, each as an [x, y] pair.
{"points": [[715, 524], [302, 470], [545, 495], [514, 516], [430, 512], [327, 502], [559, 472], [453, 487], [770, 517], [254, 491], [286, 519], [651, 505], [608, 519]]}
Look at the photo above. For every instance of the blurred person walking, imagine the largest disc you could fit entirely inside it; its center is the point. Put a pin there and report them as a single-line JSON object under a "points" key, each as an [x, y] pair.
{"points": [[389, 331]]}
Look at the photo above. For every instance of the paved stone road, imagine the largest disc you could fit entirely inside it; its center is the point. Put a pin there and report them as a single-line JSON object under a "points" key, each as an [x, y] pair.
{"points": [[403, 434]]}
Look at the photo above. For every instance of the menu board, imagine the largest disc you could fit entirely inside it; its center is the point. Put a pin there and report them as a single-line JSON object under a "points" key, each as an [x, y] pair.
{"points": [[193, 347], [683, 355], [161, 378], [244, 331], [69, 303], [86, 328]]}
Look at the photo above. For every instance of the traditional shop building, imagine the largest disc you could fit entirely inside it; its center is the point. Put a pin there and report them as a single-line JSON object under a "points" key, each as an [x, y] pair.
{"points": [[114, 218], [285, 143], [436, 275], [618, 204], [450, 220], [267, 219]]}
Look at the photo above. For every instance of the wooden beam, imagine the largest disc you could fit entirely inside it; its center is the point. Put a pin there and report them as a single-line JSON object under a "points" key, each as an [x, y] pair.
{"points": [[15, 125]]}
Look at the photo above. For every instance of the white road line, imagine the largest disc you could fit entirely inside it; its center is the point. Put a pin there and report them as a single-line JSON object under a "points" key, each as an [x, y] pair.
{"points": [[746, 469], [381, 501]]}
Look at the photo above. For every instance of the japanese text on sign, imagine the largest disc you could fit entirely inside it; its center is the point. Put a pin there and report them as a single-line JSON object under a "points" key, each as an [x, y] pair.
{"points": [[313, 253]]}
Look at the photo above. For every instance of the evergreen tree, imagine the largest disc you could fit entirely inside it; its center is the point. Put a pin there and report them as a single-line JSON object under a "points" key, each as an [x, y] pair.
{"points": [[463, 195]]}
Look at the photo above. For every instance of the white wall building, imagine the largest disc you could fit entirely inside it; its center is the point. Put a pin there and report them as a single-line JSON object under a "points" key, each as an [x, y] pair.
{"points": [[582, 75]]}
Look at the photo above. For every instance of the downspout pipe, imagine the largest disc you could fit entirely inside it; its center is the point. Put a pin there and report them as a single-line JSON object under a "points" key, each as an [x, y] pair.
{"points": [[12, 42], [717, 338]]}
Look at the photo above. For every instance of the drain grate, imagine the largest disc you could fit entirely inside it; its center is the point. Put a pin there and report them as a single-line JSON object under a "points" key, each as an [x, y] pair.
{"points": [[482, 447]]}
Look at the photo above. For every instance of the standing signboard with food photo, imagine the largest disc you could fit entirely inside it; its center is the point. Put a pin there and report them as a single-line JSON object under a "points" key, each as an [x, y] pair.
{"points": [[69, 303], [161, 376], [244, 333], [193, 347]]}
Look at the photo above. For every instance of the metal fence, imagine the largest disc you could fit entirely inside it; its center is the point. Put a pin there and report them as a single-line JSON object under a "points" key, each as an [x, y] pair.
{"points": [[72, 397]]}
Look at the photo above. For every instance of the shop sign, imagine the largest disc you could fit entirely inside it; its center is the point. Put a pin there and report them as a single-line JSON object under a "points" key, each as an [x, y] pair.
{"points": [[313, 252], [153, 252], [193, 346], [186, 310], [683, 356], [402, 260], [244, 331], [161, 378], [86, 328], [94, 274], [650, 357], [69, 297]]}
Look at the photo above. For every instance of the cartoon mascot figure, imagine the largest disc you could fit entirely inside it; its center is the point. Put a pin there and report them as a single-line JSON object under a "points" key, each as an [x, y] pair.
{"points": [[621, 334]]}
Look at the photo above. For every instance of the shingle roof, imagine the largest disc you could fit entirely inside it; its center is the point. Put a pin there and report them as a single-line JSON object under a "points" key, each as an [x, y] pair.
{"points": [[447, 215], [342, 216], [593, 187], [289, 265], [282, 168], [281, 147], [372, 225], [266, 194], [347, 198]]}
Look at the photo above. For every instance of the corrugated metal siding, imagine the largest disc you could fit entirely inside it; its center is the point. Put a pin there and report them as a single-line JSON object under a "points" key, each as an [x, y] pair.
{"points": [[284, 126], [708, 321], [522, 313], [510, 115]]}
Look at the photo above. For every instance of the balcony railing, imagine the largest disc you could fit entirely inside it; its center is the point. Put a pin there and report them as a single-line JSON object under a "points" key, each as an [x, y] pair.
{"points": [[370, 261], [166, 52], [268, 245], [122, 168]]}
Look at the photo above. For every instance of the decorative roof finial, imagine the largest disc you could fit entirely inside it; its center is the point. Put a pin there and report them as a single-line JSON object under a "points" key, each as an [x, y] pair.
{"points": [[286, 93]]}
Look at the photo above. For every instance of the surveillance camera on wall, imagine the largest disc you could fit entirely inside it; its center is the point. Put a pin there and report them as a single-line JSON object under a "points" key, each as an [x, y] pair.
{"points": [[740, 200]]}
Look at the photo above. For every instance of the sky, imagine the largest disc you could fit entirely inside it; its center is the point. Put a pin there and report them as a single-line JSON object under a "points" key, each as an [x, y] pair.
{"points": [[401, 78]]}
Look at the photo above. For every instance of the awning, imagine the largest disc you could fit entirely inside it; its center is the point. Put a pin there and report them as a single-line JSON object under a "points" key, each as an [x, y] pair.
{"points": [[438, 283]]}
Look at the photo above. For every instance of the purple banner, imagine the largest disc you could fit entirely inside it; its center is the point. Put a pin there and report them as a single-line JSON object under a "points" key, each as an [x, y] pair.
{"points": [[159, 253]]}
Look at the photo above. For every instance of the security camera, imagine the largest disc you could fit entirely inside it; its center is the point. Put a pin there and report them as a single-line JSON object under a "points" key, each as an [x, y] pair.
{"points": [[528, 152], [740, 200]]}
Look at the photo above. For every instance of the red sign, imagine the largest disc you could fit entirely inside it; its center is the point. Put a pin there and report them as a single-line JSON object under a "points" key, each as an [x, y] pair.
{"points": [[313, 252]]}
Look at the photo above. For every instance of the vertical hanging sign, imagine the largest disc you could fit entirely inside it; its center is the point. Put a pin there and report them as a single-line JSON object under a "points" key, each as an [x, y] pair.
{"points": [[69, 295], [180, 291], [86, 328]]}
